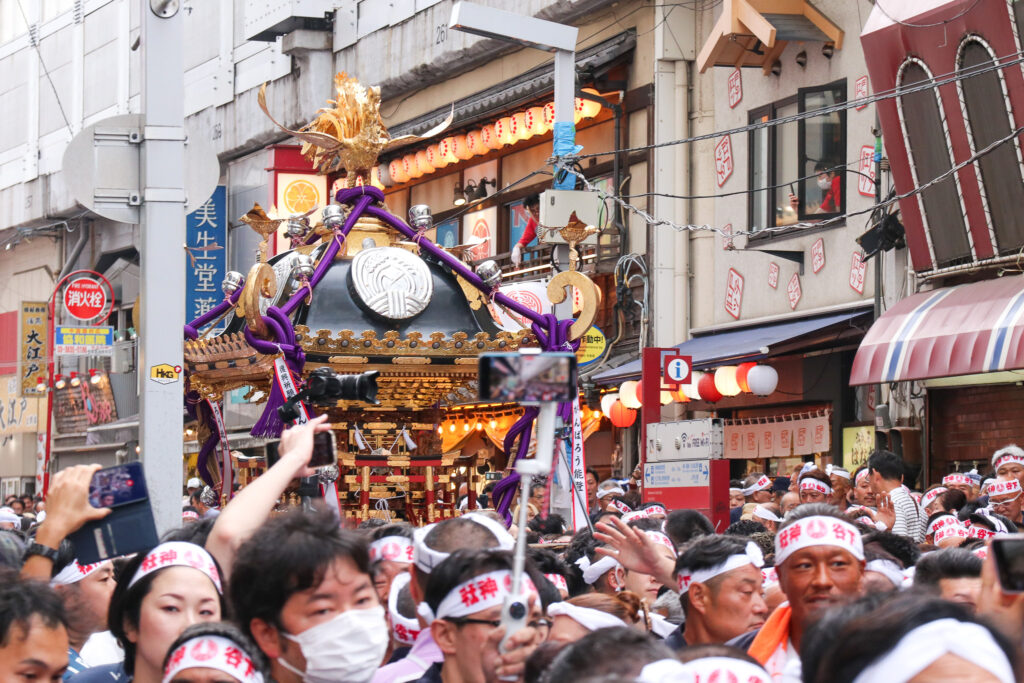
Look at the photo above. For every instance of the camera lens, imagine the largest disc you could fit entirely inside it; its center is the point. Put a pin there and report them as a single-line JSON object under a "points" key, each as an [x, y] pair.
{"points": [[517, 610]]}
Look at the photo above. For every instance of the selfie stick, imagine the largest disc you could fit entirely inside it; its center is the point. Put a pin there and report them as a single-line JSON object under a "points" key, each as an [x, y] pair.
{"points": [[515, 610]]}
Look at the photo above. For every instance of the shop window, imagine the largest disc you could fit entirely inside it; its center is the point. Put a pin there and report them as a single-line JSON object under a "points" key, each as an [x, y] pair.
{"points": [[924, 129], [987, 114], [780, 155]]}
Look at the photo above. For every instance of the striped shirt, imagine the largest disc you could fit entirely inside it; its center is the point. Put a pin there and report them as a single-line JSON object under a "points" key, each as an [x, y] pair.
{"points": [[910, 521]]}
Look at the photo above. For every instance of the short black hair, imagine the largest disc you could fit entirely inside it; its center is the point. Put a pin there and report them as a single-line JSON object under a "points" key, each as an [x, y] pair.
{"points": [[547, 561], [865, 638], [820, 638], [126, 602], [534, 200], [952, 499], [682, 526], [946, 563], [705, 552], [745, 527], [811, 510], [453, 534], [817, 475], [405, 604], [583, 544], [194, 532], [887, 464], [371, 523], [899, 546], [551, 524], [463, 565], [21, 600], [397, 529], [223, 629], [607, 652], [286, 555]]}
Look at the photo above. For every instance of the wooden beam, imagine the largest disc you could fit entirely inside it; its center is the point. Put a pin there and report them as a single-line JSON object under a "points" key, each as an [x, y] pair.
{"points": [[771, 55], [714, 44], [754, 23], [834, 33]]}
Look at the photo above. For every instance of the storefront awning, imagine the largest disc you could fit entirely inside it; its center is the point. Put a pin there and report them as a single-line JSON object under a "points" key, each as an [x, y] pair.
{"points": [[737, 346], [964, 330], [755, 32]]}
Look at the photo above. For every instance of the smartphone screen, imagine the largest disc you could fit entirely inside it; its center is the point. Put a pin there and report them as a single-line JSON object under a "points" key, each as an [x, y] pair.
{"points": [[1008, 552], [527, 378], [116, 486], [324, 450]]}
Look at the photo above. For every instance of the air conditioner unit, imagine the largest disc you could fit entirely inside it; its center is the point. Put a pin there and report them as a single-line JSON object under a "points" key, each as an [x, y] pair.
{"points": [[265, 20]]}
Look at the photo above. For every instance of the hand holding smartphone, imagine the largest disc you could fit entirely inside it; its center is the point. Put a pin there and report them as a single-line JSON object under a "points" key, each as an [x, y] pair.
{"points": [[129, 528]]}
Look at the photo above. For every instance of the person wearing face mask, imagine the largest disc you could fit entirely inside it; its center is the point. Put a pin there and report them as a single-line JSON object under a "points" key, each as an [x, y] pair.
{"points": [[214, 652], [831, 186], [161, 593], [301, 588], [463, 603]]}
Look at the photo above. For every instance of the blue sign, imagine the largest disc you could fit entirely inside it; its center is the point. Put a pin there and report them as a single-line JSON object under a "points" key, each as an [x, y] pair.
{"points": [[206, 234], [447, 233], [69, 340]]}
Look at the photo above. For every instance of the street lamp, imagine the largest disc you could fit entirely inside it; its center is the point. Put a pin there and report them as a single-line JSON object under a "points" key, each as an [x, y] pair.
{"points": [[541, 35]]}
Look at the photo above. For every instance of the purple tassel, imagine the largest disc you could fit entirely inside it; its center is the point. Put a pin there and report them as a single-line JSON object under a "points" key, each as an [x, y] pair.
{"points": [[204, 457], [269, 426]]}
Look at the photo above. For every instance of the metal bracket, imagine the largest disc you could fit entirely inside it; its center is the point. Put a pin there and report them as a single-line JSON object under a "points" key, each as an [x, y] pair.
{"points": [[796, 257]]}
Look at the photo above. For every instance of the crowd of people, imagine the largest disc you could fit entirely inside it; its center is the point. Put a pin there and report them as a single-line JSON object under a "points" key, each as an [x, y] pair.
{"points": [[827, 575]]}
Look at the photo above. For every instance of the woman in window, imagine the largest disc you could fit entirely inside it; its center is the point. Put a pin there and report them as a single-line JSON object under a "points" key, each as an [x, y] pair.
{"points": [[830, 184]]}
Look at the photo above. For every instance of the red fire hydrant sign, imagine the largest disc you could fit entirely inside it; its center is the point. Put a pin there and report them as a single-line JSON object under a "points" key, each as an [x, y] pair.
{"points": [[85, 299]]}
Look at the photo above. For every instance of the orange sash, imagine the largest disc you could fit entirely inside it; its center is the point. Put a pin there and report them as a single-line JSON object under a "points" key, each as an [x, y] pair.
{"points": [[775, 632]]}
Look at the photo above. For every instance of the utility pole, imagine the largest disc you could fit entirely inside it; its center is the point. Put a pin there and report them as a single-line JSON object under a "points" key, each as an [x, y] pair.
{"points": [[162, 230]]}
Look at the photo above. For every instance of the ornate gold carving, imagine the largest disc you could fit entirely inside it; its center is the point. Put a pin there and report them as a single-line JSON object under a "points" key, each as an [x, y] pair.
{"points": [[259, 283], [473, 295], [392, 343], [591, 298]]}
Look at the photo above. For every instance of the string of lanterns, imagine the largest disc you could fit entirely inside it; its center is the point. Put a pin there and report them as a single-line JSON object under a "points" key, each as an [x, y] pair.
{"points": [[508, 130], [710, 387]]}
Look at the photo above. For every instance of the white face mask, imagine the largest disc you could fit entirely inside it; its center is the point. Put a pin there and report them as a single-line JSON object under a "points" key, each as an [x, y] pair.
{"points": [[348, 648], [824, 182]]}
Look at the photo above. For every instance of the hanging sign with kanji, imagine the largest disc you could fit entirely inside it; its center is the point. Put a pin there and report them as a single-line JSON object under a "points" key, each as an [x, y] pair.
{"points": [[858, 268], [794, 291], [32, 353], [723, 159], [773, 275], [866, 179], [818, 255], [206, 262], [733, 293], [735, 88], [85, 299], [83, 341]]}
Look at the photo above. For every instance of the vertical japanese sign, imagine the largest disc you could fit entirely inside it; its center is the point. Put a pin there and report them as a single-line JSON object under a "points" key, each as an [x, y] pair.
{"points": [[794, 291], [773, 275], [858, 268], [206, 237], [866, 185], [861, 89], [18, 414], [32, 354], [572, 461], [733, 294], [735, 88], [723, 159], [818, 254]]}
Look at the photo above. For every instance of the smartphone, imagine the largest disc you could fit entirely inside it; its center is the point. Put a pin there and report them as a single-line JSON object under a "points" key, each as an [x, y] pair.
{"points": [[1008, 551], [129, 528], [792, 190], [325, 450], [528, 378]]}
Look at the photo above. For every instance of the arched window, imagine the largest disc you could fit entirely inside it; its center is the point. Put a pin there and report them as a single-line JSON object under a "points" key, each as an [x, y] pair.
{"points": [[986, 109], [927, 138]]}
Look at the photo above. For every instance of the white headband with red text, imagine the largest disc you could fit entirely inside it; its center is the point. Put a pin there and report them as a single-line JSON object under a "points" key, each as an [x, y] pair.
{"points": [[587, 617], [74, 572], [404, 629], [212, 652], [957, 479], [1002, 487], [815, 531], [393, 548], [956, 530], [812, 484], [760, 485], [751, 555], [558, 581], [480, 593], [929, 496], [1010, 454], [178, 554], [426, 558]]}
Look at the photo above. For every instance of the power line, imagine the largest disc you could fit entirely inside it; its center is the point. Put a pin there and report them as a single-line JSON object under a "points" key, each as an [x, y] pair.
{"points": [[878, 4], [655, 222], [929, 84], [34, 39]]}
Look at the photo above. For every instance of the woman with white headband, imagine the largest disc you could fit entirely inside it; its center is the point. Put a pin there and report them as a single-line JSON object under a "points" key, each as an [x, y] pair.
{"points": [[574, 618], [910, 639], [160, 594], [214, 652]]}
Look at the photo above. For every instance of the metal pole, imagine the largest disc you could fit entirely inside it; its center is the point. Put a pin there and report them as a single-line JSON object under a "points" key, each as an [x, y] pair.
{"points": [[162, 231]]}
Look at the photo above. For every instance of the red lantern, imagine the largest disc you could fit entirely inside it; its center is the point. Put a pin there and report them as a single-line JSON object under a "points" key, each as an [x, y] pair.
{"points": [[678, 396], [621, 416], [741, 375], [639, 392], [707, 389]]}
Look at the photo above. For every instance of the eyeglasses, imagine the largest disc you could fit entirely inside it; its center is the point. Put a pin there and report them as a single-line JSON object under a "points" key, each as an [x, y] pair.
{"points": [[1003, 503], [495, 623]]}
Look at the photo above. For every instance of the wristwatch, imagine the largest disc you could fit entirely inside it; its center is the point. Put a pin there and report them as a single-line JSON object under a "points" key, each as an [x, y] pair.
{"points": [[41, 550]]}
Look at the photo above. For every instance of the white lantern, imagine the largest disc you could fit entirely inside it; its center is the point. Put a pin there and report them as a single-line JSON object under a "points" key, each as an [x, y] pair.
{"points": [[725, 381], [666, 398], [607, 401], [691, 389], [627, 394], [762, 380]]}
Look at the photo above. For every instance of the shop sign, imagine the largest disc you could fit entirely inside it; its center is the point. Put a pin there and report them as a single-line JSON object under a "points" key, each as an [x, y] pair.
{"points": [[735, 88], [777, 438], [18, 413], [733, 293], [83, 341], [205, 239], [727, 237], [85, 299], [793, 290], [818, 255], [480, 226], [858, 270], [592, 345], [866, 179], [773, 275], [676, 474], [532, 295], [76, 409], [858, 444], [860, 90], [33, 343], [723, 159]]}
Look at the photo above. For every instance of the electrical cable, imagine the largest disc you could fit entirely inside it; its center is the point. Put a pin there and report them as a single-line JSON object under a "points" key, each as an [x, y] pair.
{"points": [[878, 4], [39, 55]]}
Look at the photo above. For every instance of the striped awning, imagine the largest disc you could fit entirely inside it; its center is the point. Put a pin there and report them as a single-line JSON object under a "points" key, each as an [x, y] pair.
{"points": [[969, 329]]}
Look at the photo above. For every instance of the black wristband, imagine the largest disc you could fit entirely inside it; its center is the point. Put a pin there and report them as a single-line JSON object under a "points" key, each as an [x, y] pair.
{"points": [[41, 550]]}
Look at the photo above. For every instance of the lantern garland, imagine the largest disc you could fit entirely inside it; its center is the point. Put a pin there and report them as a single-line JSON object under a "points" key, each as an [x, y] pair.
{"points": [[710, 387]]}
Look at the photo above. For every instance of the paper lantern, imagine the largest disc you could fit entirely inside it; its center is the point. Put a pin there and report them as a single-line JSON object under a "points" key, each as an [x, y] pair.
{"points": [[446, 150], [621, 416], [375, 178], [725, 381], [590, 109], [503, 131], [549, 115], [462, 151], [535, 121], [606, 402], [708, 391], [412, 169], [384, 175], [741, 375], [489, 137], [666, 398], [432, 157], [422, 163], [397, 172], [519, 129], [691, 389], [762, 379], [577, 112], [628, 395], [679, 396], [475, 143]]}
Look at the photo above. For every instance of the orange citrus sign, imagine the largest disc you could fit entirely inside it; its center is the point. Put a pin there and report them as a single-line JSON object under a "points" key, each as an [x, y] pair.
{"points": [[300, 196]]}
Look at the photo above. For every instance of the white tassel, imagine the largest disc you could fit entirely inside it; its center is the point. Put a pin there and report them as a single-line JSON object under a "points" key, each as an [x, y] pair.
{"points": [[409, 443], [360, 441]]}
